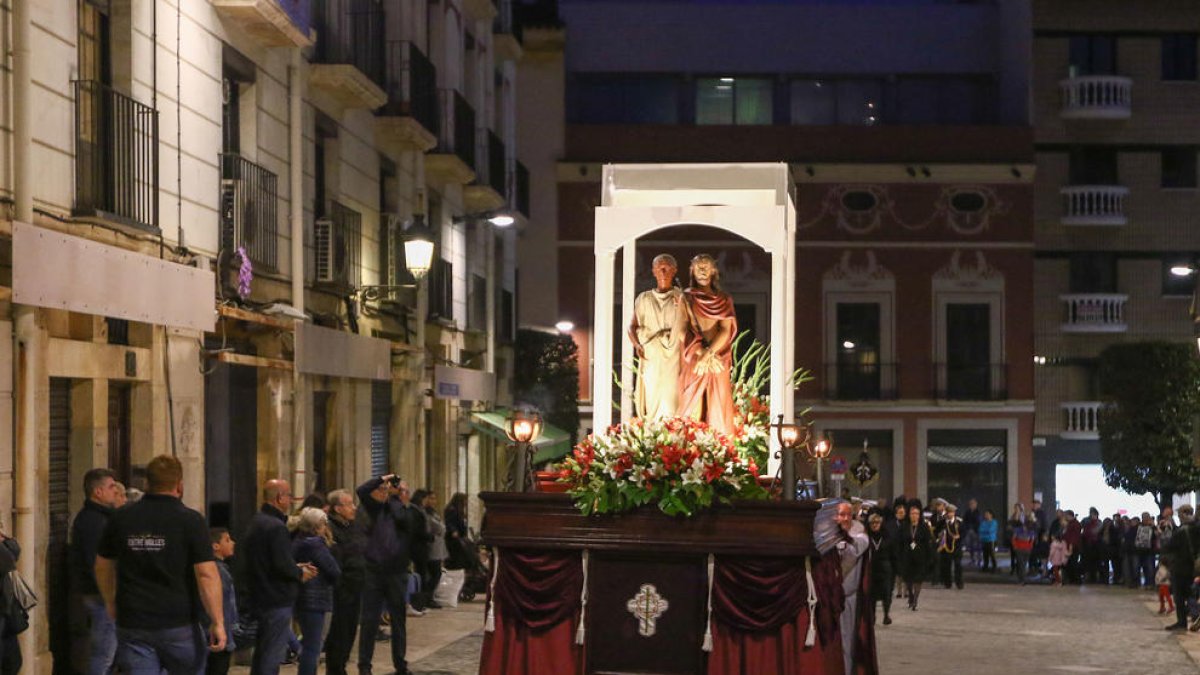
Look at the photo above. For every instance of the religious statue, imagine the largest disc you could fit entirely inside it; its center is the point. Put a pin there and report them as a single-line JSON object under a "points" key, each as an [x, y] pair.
{"points": [[709, 327], [655, 332]]}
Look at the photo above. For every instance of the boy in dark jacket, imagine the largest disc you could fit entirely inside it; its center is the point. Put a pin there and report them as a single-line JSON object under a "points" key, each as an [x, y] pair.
{"points": [[222, 545]]}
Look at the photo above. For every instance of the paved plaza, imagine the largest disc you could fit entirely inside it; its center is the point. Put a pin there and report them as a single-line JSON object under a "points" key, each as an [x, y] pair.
{"points": [[991, 628]]}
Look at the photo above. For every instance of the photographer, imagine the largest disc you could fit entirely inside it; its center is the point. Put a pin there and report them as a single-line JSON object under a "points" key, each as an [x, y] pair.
{"points": [[388, 555]]}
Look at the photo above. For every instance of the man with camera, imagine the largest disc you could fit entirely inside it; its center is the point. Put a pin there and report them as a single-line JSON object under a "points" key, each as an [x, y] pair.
{"points": [[388, 555]]}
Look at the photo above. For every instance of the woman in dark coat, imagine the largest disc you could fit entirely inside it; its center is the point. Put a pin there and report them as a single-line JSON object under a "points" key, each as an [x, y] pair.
{"points": [[311, 545], [883, 565], [914, 552], [457, 546]]}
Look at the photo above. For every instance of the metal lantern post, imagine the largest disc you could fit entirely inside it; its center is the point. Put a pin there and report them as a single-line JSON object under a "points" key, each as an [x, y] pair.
{"points": [[791, 437], [523, 428], [819, 450]]}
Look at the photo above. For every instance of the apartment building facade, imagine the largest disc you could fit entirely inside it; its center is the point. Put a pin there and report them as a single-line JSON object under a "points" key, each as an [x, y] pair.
{"points": [[204, 216], [1116, 203], [913, 183]]}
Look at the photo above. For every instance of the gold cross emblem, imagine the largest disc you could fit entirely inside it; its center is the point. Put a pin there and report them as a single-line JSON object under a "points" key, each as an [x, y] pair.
{"points": [[646, 607]]}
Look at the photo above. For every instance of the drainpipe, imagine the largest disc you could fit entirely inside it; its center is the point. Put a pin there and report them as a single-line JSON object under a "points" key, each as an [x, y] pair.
{"points": [[27, 375], [296, 206], [490, 302]]}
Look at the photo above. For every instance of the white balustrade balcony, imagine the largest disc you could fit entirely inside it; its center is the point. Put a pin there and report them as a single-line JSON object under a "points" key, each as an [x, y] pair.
{"points": [[1081, 420], [1094, 205], [1094, 313], [1096, 97]]}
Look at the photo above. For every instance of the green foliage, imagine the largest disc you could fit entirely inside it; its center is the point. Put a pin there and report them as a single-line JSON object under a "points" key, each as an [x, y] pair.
{"points": [[1151, 392], [547, 377]]}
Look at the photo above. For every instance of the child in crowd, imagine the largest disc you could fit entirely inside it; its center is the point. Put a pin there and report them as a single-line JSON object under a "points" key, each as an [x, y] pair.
{"points": [[1058, 558], [988, 530], [222, 547], [1162, 579]]}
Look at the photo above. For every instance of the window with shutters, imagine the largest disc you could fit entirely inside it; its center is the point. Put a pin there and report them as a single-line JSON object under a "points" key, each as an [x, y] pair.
{"points": [[381, 421]]}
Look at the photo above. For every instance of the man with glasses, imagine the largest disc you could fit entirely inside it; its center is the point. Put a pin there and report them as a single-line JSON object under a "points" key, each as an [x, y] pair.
{"points": [[271, 576]]}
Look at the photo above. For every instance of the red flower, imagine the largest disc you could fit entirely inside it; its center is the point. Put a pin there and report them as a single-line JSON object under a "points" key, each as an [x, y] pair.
{"points": [[713, 472]]}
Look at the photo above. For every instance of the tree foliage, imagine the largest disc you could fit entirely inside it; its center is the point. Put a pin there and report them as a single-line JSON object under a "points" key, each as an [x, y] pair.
{"points": [[547, 377], [1151, 392]]}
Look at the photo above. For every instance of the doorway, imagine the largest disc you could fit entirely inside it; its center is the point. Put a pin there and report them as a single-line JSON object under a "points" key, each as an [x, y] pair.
{"points": [[231, 446], [324, 461]]}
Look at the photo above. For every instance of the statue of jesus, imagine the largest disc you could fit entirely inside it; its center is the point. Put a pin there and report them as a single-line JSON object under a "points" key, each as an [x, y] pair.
{"points": [[655, 332], [705, 388]]}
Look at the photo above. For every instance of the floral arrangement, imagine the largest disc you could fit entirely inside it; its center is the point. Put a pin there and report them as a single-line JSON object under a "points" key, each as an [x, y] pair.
{"points": [[679, 464], [752, 407]]}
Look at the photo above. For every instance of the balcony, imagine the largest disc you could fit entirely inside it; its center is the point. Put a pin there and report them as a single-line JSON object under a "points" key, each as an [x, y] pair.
{"points": [[409, 119], [490, 191], [453, 161], [1102, 205], [338, 243], [272, 23], [1081, 420], [348, 63], [1094, 313], [116, 157], [1096, 97], [971, 381], [860, 381], [249, 215], [506, 33], [521, 189]]}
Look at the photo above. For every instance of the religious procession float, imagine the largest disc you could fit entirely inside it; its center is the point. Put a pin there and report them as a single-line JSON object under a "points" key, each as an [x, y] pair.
{"points": [[673, 541]]}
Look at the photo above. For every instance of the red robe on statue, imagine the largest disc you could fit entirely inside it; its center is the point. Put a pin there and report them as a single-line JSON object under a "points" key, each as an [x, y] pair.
{"points": [[707, 397]]}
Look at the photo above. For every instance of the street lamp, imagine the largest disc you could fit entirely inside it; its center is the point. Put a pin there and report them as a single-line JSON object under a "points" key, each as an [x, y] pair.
{"points": [[523, 428], [819, 450], [418, 258], [791, 437]]}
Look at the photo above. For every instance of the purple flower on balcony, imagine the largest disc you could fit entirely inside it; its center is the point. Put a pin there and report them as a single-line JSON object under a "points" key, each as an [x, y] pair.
{"points": [[245, 274]]}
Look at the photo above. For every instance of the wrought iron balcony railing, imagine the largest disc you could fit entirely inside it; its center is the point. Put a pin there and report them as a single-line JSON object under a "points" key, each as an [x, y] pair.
{"points": [[351, 32], [249, 210], [457, 135], [411, 85], [116, 156], [521, 189], [860, 381], [971, 381], [497, 165]]}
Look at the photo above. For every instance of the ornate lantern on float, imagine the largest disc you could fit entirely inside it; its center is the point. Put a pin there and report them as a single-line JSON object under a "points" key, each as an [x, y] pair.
{"points": [[523, 427]]}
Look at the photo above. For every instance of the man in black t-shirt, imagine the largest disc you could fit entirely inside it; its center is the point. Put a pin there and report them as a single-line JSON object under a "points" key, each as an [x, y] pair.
{"points": [[155, 571]]}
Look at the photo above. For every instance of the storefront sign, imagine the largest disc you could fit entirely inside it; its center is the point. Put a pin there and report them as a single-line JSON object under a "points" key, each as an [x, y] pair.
{"points": [[463, 384]]}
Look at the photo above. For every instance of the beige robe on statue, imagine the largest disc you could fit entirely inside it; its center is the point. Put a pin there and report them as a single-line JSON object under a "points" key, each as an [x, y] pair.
{"points": [[658, 382]]}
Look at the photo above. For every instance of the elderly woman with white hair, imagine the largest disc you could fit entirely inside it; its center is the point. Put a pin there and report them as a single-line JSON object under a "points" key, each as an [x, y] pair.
{"points": [[311, 541]]}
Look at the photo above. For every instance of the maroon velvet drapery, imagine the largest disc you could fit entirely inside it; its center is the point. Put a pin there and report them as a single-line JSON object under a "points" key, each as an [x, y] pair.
{"points": [[760, 616], [536, 609]]}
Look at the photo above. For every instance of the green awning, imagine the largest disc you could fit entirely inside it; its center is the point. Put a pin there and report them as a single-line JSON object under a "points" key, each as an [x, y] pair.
{"points": [[553, 444]]}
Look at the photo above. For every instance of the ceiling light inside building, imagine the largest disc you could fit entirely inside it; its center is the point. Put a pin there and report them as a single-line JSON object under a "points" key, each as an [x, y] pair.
{"points": [[564, 326], [847, 345], [1182, 270]]}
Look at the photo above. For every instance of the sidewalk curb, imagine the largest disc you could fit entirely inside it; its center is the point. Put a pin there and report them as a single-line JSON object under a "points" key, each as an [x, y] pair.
{"points": [[1188, 641]]}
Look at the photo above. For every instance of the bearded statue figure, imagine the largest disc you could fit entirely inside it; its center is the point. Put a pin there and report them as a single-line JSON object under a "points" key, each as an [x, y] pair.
{"points": [[656, 333], [709, 326]]}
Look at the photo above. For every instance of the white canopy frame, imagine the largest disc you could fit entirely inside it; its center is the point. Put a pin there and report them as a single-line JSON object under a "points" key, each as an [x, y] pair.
{"points": [[753, 201]]}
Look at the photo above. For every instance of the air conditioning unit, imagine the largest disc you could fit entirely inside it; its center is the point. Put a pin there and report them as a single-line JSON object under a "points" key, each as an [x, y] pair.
{"points": [[323, 241], [233, 214]]}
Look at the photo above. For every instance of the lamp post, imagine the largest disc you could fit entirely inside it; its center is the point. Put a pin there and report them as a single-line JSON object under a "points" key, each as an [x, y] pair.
{"points": [[418, 259], [523, 428], [791, 437], [819, 450]]}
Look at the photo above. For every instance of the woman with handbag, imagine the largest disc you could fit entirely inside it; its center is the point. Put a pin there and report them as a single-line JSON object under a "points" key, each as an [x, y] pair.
{"points": [[13, 617]]}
